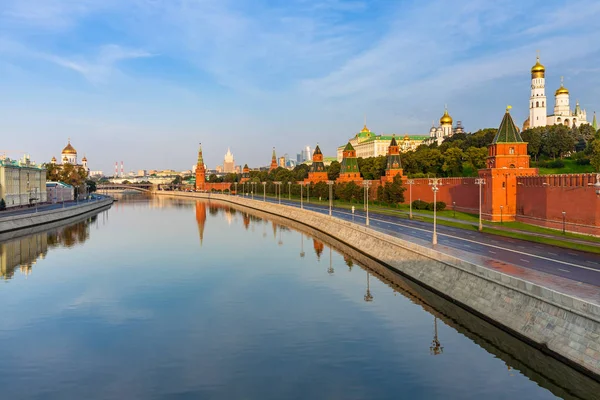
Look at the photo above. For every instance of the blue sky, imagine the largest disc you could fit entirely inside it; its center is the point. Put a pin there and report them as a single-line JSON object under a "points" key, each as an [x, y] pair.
{"points": [[144, 81]]}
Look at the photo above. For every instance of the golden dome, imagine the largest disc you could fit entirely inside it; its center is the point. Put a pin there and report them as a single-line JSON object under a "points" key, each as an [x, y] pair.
{"points": [[446, 119], [69, 149], [365, 129], [538, 70], [406, 137], [561, 90]]}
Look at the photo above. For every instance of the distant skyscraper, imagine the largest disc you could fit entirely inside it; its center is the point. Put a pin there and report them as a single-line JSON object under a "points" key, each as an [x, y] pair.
{"points": [[228, 163], [306, 154]]}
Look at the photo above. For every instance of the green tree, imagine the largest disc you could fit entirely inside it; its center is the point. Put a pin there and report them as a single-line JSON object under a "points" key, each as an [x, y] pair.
{"points": [[392, 192], [476, 157], [177, 180], [533, 137], [453, 160], [333, 171], [595, 152], [91, 185]]}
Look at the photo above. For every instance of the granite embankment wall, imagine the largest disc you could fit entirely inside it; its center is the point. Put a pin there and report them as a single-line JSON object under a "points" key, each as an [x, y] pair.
{"points": [[21, 221], [560, 325]]}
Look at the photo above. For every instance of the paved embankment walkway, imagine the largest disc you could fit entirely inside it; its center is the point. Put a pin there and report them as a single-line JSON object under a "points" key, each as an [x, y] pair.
{"points": [[558, 316], [13, 220]]}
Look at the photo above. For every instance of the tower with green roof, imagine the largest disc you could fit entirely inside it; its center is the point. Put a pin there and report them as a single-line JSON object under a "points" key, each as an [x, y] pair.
{"points": [[394, 165], [317, 171], [507, 159], [594, 123], [349, 168], [245, 174]]}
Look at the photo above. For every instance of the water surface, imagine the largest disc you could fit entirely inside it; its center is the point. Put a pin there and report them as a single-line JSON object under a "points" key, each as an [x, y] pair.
{"points": [[166, 298]]}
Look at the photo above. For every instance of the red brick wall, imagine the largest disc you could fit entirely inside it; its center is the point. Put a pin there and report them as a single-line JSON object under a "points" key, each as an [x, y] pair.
{"points": [[542, 199], [463, 191]]}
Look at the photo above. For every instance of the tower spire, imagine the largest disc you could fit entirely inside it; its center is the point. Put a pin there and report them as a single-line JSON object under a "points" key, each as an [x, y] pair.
{"points": [[200, 159], [594, 123]]}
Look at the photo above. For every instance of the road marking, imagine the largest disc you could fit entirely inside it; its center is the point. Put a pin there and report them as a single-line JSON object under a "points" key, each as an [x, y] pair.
{"points": [[524, 260], [564, 270], [413, 229], [553, 254], [592, 262], [493, 252]]}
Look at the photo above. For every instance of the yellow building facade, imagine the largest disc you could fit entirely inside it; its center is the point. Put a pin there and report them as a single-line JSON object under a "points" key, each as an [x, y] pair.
{"points": [[22, 182]]}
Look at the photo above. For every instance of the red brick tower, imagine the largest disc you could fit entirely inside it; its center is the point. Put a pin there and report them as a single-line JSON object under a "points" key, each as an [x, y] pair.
{"points": [[349, 169], [245, 174], [317, 171], [200, 171], [394, 165], [507, 159], [273, 161]]}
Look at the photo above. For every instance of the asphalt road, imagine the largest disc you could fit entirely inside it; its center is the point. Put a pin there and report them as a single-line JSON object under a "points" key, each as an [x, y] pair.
{"points": [[571, 264]]}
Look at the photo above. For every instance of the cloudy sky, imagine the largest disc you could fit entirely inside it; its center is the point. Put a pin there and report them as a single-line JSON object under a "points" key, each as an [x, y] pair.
{"points": [[144, 81]]}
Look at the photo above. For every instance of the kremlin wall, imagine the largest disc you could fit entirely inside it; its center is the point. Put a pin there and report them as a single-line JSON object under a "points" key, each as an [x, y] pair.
{"points": [[511, 189]]}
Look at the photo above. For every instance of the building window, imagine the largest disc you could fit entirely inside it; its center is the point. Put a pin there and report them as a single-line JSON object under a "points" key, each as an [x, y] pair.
{"points": [[542, 104], [503, 185], [537, 103], [511, 150]]}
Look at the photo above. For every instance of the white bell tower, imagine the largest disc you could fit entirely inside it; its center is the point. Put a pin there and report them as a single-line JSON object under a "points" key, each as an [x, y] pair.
{"points": [[537, 101]]}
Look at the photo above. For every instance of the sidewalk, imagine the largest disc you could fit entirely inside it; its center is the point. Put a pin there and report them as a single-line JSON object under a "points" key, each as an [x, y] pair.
{"points": [[10, 212]]}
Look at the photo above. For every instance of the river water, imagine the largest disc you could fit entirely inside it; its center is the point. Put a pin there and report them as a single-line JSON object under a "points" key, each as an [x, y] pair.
{"points": [[166, 298]]}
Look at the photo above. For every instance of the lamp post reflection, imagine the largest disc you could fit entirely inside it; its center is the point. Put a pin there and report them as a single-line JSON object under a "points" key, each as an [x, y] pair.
{"points": [[330, 269], [368, 295], [436, 348], [302, 245]]}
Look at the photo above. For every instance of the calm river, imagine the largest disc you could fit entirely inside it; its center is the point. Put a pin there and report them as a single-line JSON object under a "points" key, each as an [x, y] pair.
{"points": [[165, 298]]}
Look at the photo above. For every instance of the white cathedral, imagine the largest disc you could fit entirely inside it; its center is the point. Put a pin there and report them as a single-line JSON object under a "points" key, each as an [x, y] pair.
{"points": [[437, 134], [563, 114]]}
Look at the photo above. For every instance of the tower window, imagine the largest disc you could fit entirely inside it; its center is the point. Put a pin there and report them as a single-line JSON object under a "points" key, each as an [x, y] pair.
{"points": [[537, 103], [511, 150], [542, 104]]}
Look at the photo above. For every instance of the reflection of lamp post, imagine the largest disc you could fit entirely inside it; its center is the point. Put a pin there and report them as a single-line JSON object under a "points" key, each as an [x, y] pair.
{"points": [[435, 348], [480, 182], [367, 184], [368, 295], [289, 190], [501, 210], [410, 183], [564, 214], [330, 269], [330, 183], [280, 241], [264, 191], [302, 245], [434, 183]]}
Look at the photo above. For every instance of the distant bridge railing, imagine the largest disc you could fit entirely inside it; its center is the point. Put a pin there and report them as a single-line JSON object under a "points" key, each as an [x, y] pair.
{"points": [[140, 187]]}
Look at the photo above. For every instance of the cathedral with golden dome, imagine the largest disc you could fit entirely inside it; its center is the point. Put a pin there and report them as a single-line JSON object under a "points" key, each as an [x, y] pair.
{"points": [[437, 134], [69, 156], [562, 115]]}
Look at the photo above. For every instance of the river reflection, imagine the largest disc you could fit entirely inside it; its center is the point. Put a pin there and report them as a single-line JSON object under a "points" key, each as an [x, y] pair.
{"points": [[191, 299]]}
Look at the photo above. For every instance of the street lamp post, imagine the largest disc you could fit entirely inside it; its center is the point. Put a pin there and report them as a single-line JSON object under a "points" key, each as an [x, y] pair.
{"points": [[453, 209], [301, 195], [264, 191], [308, 192], [366, 185], [253, 189], [278, 190], [289, 190], [410, 183], [236, 193], [480, 182], [434, 183], [330, 183], [501, 210], [564, 214]]}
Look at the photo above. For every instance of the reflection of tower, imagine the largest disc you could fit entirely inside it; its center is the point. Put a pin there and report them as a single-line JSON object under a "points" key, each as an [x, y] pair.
{"points": [[318, 246], [368, 295], [349, 262], [302, 245], [280, 241], [330, 269], [201, 218], [246, 219], [274, 230], [435, 348]]}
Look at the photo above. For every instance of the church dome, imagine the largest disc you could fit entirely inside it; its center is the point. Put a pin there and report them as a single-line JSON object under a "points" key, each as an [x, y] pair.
{"points": [[561, 90], [406, 137], [446, 119], [53, 159], [69, 149], [538, 70], [365, 129]]}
